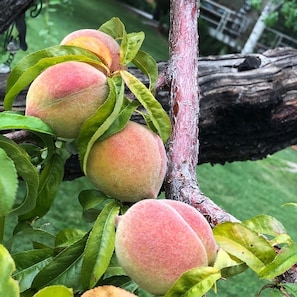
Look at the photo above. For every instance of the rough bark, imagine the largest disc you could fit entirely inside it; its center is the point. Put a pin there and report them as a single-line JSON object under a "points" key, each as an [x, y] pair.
{"points": [[10, 9], [244, 114]]}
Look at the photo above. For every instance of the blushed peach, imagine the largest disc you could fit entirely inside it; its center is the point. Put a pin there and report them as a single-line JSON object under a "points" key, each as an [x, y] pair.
{"points": [[65, 95], [130, 165], [107, 291], [158, 240], [107, 40]]}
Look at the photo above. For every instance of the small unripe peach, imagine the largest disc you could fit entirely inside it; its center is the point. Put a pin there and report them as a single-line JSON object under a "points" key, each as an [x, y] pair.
{"points": [[65, 95], [104, 38], [107, 291], [129, 165], [158, 240]]}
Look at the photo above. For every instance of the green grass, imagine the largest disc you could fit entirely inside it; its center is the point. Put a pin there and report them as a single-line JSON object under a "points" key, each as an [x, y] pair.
{"points": [[244, 189]]}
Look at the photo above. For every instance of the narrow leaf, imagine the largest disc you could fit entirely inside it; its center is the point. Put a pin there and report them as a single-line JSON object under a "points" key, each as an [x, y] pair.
{"points": [[106, 120], [291, 288], [50, 179], [127, 109], [100, 246], [92, 202], [148, 66], [8, 183], [68, 237], [114, 27], [33, 64], [25, 230], [286, 258], [130, 46], [55, 291], [195, 282], [229, 266], [158, 115], [8, 286], [244, 244], [26, 170], [28, 265], [11, 120], [64, 268], [265, 224]]}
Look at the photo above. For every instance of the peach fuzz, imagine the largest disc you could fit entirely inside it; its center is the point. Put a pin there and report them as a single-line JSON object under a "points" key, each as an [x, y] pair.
{"points": [[107, 291], [129, 165], [65, 95], [109, 42], [156, 242]]}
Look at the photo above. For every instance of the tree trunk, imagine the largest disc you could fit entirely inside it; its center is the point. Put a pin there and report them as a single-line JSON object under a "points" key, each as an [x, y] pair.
{"points": [[10, 9], [244, 115]]}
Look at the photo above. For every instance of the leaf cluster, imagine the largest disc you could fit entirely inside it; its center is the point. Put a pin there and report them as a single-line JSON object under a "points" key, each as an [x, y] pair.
{"points": [[260, 244]]}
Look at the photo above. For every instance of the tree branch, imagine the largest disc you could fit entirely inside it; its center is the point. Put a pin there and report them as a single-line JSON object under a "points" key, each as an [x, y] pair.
{"points": [[244, 115]]}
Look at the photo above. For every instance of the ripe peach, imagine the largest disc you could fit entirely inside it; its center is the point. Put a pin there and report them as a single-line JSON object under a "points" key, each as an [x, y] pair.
{"points": [[158, 240], [65, 95], [102, 37], [107, 291], [130, 165]]}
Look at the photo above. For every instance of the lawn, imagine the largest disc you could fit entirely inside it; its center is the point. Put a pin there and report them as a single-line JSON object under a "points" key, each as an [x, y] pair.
{"points": [[244, 189]]}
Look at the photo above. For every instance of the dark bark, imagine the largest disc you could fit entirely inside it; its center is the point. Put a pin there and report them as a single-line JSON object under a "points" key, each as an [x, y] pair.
{"points": [[244, 115], [10, 9]]}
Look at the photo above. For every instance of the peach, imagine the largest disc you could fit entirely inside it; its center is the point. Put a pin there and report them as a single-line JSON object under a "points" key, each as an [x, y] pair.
{"points": [[65, 95], [129, 165], [107, 291], [158, 240], [103, 38]]}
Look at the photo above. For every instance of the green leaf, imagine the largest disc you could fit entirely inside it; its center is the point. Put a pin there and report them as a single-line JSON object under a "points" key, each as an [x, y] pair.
{"points": [[28, 265], [68, 237], [64, 268], [290, 204], [284, 260], [8, 286], [8, 183], [50, 179], [228, 265], [33, 64], [114, 28], [92, 202], [114, 268], [103, 118], [127, 109], [148, 66], [26, 170], [157, 114], [265, 224], [25, 230], [291, 288], [10, 120], [100, 246], [244, 244], [55, 291], [130, 46], [195, 282]]}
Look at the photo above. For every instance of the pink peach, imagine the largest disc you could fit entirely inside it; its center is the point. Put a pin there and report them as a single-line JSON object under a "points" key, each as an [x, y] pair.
{"points": [[158, 240], [65, 95], [129, 165]]}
